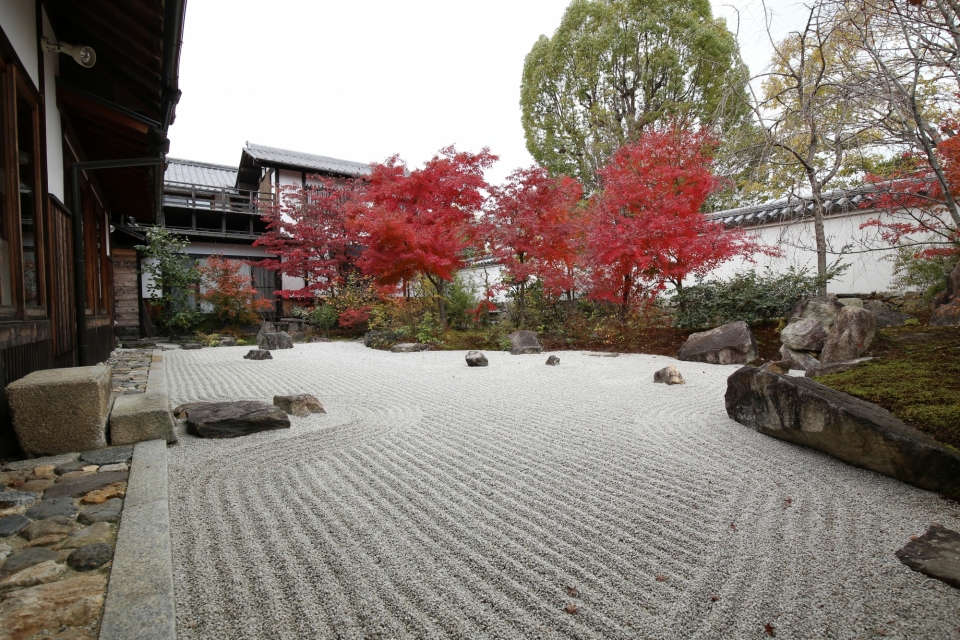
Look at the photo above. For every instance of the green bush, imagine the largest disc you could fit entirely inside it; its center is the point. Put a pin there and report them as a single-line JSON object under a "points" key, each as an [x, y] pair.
{"points": [[323, 316], [746, 296], [914, 268], [461, 300]]}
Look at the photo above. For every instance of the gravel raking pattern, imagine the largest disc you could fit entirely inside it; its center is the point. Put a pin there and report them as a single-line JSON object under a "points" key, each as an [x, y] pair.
{"points": [[434, 500]]}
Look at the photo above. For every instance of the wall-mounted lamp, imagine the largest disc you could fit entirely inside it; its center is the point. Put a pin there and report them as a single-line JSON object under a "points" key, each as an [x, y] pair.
{"points": [[85, 56]]}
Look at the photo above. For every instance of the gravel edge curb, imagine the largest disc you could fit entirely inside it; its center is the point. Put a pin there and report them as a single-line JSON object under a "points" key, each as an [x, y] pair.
{"points": [[140, 602]]}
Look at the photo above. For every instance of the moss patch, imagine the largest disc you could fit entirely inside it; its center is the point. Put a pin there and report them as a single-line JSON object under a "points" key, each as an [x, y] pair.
{"points": [[916, 376]]}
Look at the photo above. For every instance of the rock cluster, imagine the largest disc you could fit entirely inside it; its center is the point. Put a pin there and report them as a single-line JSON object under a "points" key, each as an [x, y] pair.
{"points": [[56, 549], [824, 331]]}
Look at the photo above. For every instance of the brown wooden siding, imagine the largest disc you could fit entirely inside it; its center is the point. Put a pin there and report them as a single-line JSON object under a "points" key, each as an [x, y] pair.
{"points": [[62, 308], [126, 293]]}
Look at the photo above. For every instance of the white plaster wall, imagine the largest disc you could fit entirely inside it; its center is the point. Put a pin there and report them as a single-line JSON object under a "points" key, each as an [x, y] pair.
{"points": [[201, 249], [19, 21], [56, 183], [482, 277], [290, 177]]}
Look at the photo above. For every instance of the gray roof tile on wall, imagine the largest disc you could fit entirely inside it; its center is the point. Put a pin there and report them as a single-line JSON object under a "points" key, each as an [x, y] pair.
{"points": [[307, 161], [200, 173]]}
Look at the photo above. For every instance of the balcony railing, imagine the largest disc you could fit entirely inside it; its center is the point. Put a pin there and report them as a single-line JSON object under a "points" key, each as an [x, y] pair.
{"points": [[192, 196]]}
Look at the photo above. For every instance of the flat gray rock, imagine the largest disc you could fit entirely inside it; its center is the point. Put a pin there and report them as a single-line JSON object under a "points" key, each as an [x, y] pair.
{"points": [[53, 507], [12, 525], [936, 554], [524, 342], [91, 556], [835, 367], [409, 347], [801, 360], [233, 419], [603, 354], [17, 498], [56, 525], [731, 343], [70, 467], [29, 465], [109, 511], [80, 486], [806, 412], [192, 346], [112, 455], [888, 318], [27, 558]]}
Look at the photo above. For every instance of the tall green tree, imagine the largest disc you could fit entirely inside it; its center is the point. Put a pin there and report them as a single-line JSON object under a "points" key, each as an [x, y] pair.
{"points": [[615, 68]]}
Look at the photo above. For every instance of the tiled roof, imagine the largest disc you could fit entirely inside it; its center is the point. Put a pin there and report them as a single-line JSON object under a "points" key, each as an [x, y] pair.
{"points": [[794, 208], [200, 173], [272, 155]]}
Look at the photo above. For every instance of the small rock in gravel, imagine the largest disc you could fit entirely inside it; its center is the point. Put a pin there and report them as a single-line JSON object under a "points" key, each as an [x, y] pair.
{"points": [[99, 532], [112, 455], [120, 466], [300, 404], [37, 486], [70, 467], [669, 375], [41, 573], [603, 354], [476, 359], [258, 354], [90, 556], [27, 558], [12, 525], [17, 499], [118, 490], [44, 470], [48, 526], [192, 346], [45, 541], [553, 361], [53, 507], [109, 511], [74, 602]]}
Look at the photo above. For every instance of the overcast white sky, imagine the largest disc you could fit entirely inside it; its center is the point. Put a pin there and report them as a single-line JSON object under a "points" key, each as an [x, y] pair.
{"points": [[363, 80]]}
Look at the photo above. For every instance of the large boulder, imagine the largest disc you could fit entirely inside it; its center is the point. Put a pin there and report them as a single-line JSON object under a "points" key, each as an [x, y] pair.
{"points": [[732, 343], [850, 336], [825, 310], [141, 417], [271, 341], [803, 411], [798, 359], [804, 334], [522, 342], [233, 419], [57, 411]]}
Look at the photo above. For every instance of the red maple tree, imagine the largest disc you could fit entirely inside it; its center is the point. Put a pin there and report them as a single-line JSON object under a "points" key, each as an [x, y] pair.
{"points": [[230, 291], [308, 232], [645, 228], [532, 231], [421, 222]]}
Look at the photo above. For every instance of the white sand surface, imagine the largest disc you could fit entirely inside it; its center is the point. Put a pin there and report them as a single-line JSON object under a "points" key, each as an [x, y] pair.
{"points": [[435, 500]]}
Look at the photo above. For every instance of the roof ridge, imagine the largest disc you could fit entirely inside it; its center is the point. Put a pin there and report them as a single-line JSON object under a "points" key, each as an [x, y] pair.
{"points": [[200, 163], [263, 147]]}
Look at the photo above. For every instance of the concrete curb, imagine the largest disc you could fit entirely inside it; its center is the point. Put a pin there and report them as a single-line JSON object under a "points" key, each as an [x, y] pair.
{"points": [[140, 601]]}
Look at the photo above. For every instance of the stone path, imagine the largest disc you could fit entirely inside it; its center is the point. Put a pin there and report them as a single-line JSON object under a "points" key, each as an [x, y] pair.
{"points": [[518, 500], [131, 367]]}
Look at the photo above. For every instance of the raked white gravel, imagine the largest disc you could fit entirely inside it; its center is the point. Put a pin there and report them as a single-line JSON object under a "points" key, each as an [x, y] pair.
{"points": [[434, 500]]}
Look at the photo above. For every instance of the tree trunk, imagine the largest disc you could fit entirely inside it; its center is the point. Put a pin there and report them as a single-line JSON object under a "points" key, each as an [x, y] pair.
{"points": [[819, 233], [438, 284], [522, 304]]}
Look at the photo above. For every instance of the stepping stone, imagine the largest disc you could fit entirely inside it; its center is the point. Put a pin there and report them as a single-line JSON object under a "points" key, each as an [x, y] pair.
{"points": [[936, 554], [301, 404], [233, 419], [12, 525], [91, 556], [82, 486], [27, 558], [109, 511], [141, 417], [113, 455], [17, 498], [53, 507]]}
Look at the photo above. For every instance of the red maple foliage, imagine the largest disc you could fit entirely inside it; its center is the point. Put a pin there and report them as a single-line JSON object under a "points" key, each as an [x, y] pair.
{"points": [[532, 231], [645, 228], [307, 230], [230, 292], [421, 222]]}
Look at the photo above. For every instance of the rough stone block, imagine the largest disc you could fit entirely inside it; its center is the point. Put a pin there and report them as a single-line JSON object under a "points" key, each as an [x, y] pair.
{"points": [[142, 417], [58, 411], [731, 343], [300, 404], [936, 554], [523, 342]]}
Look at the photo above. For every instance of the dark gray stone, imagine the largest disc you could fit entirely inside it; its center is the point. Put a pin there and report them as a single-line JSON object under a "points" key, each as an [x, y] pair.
{"points": [[109, 511], [81, 486], [53, 507], [476, 359], [233, 419], [382, 339], [258, 354], [823, 309], [936, 554], [299, 404], [192, 346], [409, 347], [804, 334], [27, 558], [12, 525], [887, 318], [524, 342], [228, 341], [669, 375], [70, 467], [17, 498], [850, 336], [798, 359], [603, 354], [553, 361], [806, 412], [731, 343], [318, 339], [271, 341], [91, 556], [112, 455], [834, 367]]}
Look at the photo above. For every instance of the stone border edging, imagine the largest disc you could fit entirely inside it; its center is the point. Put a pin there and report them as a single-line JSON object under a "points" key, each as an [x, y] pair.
{"points": [[140, 601]]}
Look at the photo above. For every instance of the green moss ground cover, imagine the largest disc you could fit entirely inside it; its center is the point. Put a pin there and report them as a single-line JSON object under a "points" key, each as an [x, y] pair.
{"points": [[916, 376]]}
